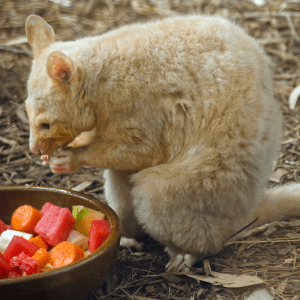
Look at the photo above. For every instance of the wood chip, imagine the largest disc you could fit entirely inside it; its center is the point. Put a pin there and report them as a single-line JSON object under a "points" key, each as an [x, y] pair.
{"points": [[81, 186]]}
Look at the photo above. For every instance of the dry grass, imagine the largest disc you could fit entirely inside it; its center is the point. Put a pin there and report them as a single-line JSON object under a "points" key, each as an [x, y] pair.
{"points": [[271, 252]]}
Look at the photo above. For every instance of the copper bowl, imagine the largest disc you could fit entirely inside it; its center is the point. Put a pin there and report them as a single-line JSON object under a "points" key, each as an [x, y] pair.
{"points": [[75, 281]]}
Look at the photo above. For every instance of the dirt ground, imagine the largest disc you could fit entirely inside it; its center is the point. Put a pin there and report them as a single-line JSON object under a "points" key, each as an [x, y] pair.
{"points": [[270, 254]]}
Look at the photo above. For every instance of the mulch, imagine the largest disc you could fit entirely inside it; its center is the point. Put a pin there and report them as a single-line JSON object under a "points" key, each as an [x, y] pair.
{"points": [[270, 253]]}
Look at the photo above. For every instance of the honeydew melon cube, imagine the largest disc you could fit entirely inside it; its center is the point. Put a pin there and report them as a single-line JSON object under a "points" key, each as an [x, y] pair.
{"points": [[84, 217]]}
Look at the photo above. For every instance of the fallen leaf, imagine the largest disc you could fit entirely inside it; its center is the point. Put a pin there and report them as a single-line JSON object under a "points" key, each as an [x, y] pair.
{"points": [[281, 287], [275, 177], [294, 97], [270, 230], [292, 235], [228, 280]]}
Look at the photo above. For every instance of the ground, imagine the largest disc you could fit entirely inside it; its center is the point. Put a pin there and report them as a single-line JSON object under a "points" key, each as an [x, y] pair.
{"points": [[270, 253]]}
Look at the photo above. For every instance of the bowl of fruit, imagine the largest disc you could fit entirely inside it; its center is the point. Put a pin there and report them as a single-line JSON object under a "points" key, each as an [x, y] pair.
{"points": [[54, 243]]}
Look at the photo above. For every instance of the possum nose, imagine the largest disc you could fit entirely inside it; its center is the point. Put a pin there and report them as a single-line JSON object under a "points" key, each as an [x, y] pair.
{"points": [[35, 150]]}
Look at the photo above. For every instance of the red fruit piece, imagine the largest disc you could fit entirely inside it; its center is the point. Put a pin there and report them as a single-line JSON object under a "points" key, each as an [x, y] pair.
{"points": [[17, 245], [55, 224], [25, 263], [4, 266], [45, 207], [4, 227], [99, 232], [14, 274]]}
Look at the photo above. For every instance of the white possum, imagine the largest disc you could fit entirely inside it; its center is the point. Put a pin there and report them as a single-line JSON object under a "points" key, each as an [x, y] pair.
{"points": [[181, 115]]}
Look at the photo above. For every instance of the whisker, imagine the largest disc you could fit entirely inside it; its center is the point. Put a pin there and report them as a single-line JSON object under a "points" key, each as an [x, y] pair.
{"points": [[16, 80], [21, 117], [70, 133]]}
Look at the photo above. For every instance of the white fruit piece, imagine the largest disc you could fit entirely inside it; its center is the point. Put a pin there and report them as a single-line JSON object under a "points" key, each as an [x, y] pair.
{"points": [[7, 235], [78, 239]]}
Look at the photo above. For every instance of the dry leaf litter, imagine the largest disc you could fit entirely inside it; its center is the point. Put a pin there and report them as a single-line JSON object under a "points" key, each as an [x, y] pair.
{"points": [[265, 262]]}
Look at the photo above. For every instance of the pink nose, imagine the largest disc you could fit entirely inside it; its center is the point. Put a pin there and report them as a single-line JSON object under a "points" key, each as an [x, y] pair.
{"points": [[36, 150]]}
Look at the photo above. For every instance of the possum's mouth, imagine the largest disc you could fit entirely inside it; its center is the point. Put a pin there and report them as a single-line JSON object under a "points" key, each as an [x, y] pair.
{"points": [[48, 147]]}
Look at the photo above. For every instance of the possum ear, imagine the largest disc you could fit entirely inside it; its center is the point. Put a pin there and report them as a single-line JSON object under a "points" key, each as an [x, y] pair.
{"points": [[60, 67], [39, 34]]}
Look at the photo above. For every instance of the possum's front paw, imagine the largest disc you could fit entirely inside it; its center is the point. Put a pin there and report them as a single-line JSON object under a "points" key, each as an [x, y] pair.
{"points": [[61, 162], [180, 262]]}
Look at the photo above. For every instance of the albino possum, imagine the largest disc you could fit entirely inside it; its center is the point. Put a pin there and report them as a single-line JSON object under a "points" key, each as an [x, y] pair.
{"points": [[181, 115]]}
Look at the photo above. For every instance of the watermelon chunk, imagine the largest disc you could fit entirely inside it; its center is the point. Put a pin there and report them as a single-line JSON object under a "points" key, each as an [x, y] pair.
{"points": [[7, 236], [17, 245], [100, 230], [4, 227], [14, 274], [55, 224], [4, 267], [25, 263], [45, 207], [84, 217]]}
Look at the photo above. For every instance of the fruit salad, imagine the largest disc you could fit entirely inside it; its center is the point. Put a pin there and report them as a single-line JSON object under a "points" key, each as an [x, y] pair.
{"points": [[53, 237]]}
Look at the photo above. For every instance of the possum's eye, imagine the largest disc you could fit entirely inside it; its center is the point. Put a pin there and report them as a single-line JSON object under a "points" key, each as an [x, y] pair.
{"points": [[45, 126]]}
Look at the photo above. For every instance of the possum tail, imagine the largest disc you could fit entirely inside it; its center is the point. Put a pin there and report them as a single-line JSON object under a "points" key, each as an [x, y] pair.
{"points": [[279, 203]]}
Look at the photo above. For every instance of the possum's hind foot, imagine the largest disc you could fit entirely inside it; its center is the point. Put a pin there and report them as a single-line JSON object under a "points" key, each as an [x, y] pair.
{"points": [[130, 243], [180, 262]]}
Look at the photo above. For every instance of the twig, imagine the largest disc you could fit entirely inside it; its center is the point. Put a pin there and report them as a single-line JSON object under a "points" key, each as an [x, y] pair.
{"points": [[291, 25], [15, 50]]}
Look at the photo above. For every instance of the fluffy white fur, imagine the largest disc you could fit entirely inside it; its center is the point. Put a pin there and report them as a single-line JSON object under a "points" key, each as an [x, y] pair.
{"points": [[181, 114]]}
